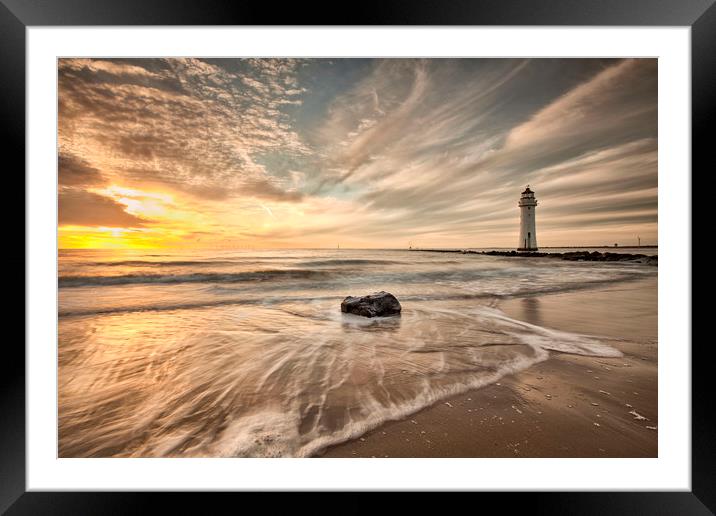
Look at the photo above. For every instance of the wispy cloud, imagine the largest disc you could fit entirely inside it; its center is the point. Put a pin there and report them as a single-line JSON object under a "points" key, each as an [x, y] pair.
{"points": [[369, 152]]}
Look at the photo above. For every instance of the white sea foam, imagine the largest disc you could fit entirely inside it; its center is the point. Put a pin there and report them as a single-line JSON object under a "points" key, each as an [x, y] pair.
{"points": [[271, 367], [556, 340]]}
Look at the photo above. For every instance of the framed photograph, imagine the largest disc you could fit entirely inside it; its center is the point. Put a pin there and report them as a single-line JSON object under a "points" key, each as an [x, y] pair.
{"points": [[420, 252]]}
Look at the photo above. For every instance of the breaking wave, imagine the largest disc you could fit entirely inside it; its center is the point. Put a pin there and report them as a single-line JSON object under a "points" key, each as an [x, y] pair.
{"points": [[189, 360], [199, 277]]}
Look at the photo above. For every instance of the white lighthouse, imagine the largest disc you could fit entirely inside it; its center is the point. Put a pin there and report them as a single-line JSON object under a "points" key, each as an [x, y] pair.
{"points": [[528, 234]]}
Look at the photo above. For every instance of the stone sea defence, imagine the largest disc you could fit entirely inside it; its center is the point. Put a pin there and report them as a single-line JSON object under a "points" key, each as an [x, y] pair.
{"points": [[575, 256]]}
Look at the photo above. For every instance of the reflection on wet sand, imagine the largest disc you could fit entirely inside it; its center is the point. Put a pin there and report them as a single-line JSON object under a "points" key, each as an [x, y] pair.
{"points": [[352, 323], [530, 311], [213, 355]]}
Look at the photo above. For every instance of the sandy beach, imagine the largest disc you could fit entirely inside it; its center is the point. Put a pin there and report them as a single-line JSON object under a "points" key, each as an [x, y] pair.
{"points": [[567, 406], [221, 224], [248, 354]]}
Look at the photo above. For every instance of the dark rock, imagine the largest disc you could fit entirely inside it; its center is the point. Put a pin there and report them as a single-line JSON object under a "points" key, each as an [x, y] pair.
{"points": [[573, 256], [372, 305]]}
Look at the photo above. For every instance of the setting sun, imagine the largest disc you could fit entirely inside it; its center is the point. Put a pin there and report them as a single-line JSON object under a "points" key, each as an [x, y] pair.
{"points": [[357, 258], [287, 153]]}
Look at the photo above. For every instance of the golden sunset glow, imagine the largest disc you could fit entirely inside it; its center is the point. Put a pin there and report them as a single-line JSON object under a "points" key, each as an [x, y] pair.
{"points": [[79, 237], [276, 257], [264, 153]]}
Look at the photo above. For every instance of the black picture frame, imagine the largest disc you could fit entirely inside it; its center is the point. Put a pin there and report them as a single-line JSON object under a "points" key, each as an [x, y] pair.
{"points": [[17, 15]]}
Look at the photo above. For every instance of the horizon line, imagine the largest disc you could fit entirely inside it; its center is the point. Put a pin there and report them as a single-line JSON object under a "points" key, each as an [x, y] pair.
{"points": [[349, 248]]}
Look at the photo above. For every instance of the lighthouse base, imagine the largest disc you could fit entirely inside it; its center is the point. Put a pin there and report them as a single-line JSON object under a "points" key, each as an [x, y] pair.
{"points": [[528, 248]]}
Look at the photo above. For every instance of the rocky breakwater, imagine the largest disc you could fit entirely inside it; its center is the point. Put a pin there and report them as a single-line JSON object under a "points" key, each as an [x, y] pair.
{"points": [[575, 256], [582, 256]]}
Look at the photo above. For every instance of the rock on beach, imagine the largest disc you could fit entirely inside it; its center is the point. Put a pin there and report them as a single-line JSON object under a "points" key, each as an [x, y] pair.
{"points": [[373, 305]]}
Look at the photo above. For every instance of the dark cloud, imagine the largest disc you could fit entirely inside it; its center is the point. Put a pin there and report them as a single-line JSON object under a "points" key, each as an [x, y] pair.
{"points": [[142, 146], [82, 208], [73, 171], [387, 147], [265, 189], [184, 121]]}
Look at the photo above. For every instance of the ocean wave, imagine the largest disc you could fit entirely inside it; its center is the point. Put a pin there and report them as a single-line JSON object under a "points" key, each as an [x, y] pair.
{"points": [[320, 263], [198, 277], [300, 394], [78, 312], [285, 373], [191, 305], [279, 300], [158, 263]]}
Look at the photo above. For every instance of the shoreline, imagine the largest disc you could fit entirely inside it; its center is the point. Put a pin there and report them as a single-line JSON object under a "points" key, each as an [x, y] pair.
{"points": [[566, 406]]}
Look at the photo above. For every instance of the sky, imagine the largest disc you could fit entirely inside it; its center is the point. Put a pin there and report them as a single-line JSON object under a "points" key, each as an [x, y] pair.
{"points": [[369, 153]]}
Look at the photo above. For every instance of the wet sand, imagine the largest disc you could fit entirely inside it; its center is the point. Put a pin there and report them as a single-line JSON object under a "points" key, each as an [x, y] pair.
{"points": [[567, 406]]}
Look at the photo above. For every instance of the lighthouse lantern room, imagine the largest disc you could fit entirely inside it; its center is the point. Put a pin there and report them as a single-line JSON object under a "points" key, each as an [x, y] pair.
{"points": [[528, 233]]}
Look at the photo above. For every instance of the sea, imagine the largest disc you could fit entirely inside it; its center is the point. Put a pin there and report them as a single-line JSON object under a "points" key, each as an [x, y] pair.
{"points": [[246, 353]]}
